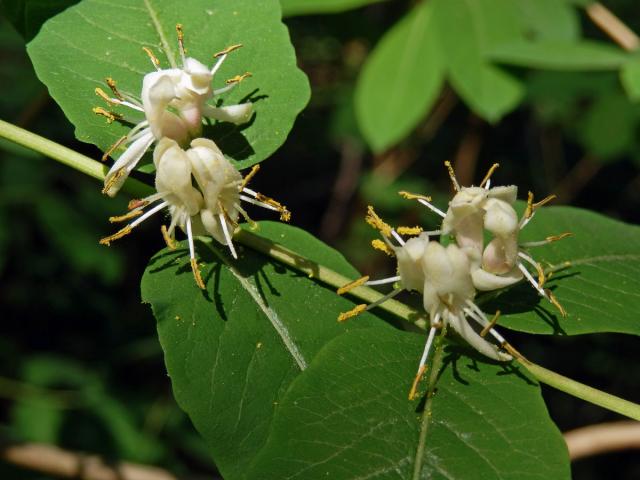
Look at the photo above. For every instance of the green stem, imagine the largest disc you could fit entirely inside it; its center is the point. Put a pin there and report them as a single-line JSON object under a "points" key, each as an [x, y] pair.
{"points": [[66, 156], [96, 170], [436, 364], [580, 390]]}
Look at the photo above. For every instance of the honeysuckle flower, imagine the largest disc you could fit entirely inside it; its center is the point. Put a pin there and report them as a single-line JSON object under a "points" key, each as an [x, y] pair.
{"points": [[174, 103], [443, 276], [502, 262], [210, 207]]}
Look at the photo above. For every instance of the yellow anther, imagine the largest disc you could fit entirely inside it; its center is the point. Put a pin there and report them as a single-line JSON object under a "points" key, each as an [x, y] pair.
{"points": [[285, 215], [489, 173], [125, 217], [357, 310], [110, 116], [228, 50], [544, 201], [541, 277], [112, 85], [113, 180], [101, 93], [376, 222], [150, 54], [238, 78], [414, 386], [555, 238], [491, 324], [529, 210], [351, 285], [452, 175], [113, 148], [556, 303], [119, 234], [409, 230], [180, 32], [413, 196], [196, 274], [171, 244], [226, 215], [383, 247], [249, 176]]}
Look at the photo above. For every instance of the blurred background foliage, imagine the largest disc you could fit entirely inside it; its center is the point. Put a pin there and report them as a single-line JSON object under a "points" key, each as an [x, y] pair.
{"points": [[398, 87]]}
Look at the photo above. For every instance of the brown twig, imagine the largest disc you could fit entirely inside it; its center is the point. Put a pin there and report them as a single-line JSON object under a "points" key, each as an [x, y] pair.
{"points": [[465, 160], [54, 461], [577, 178], [612, 26], [603, 438]]}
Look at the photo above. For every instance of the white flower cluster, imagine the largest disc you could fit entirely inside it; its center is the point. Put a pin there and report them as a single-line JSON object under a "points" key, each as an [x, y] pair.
{"points": [[199, 186], [449, 277]]}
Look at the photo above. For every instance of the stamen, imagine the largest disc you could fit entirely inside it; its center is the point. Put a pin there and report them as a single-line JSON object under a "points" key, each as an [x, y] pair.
{"points": [[252, 225], [491, 324], [552, 298], [357, 310], [487, 177], [383, 247], [227, 236], [544, 201], [137, 203], [101, 93], [112, 148], [384, 281], [550, 239], [351, 285], [452, 176], [256, 202], [384, 298], [398, 238], [249, 176], [529, 210], [409, 230], [112, 85], [148, 214], [116, 236], [285, 215], [181, 41], [478, 315], [228, 50], [171, 244], [531, 280], [422, 367], [238, 78], [152, 57], [424, 200], [536, 265], [192, 254], [114, 179], [126, 216], [110, 116], [376, 222]]}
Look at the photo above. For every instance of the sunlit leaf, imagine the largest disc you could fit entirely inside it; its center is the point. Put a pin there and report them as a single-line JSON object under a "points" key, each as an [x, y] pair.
{"points": [[348, 416], [77, 49]]}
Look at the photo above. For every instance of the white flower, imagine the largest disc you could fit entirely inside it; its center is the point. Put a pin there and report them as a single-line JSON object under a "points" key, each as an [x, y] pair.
{"points": [[443, 276], [210, 207], [174, 102]]}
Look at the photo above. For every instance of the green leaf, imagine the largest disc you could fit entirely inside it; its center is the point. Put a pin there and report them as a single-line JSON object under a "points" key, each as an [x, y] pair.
{"points": [[401, 79], [599, 290], [231, 351], [291, 8], [557, 55], [549, 20], [467, 28], [608, 129], [77, 49], [27, 16], [630, 78], [347, 416]]}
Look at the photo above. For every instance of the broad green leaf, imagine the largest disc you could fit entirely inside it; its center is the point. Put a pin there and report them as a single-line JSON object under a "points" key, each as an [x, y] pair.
{"points": [[27, 16], [77, 49], [232, 351], [467, 28], [549, 19], [630, 78], [608, 129], [347, 416], [557, 55], [291, 8], [599, 290], [401, 79]]}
